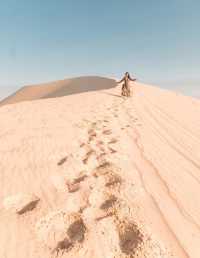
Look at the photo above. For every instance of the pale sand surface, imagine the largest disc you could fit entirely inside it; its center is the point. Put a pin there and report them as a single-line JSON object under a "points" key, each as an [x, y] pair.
{"points": [[98, 176]]}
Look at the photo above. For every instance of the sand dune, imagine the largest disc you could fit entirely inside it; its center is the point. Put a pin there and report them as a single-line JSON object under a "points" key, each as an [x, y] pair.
{"points": [[95, 175], [59, 89]]}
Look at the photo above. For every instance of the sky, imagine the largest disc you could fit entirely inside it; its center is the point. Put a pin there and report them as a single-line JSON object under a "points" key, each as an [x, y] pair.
{"points": [[157, 41]]}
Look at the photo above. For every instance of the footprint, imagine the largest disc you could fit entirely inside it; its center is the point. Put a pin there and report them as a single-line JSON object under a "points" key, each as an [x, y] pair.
{"points": [[103, 154], [130, 237], [112, 150], [106, 121], [101, 148], [99, 143], [104, 168], [94, 124], [108, 173], [60, 231], [80, 178], [92, 135], [62, 246], [87, 156], [92, 132], [109, 203], [107, 132], [112, 141], [62, 161], [76, 231], [72, 187], [112, 179], [74, 184], [91, 138]]}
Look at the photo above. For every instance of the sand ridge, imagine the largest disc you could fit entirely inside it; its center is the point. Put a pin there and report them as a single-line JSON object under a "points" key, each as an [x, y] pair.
{"points": [[59, 89]]}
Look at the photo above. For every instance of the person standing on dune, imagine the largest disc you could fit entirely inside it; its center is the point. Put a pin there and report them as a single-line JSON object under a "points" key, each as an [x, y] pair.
{"points": [[125, 86]]}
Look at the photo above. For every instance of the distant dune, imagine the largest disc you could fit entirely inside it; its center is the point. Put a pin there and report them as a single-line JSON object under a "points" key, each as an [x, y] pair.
{"points": [[59, 89]]}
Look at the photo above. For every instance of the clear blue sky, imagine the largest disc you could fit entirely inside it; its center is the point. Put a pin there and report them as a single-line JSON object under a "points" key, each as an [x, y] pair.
{"points": [[156, 40]]}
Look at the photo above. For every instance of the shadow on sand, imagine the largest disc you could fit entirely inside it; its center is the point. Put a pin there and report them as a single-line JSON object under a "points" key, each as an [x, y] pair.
{"points": [[82, 84], [60, 89]]}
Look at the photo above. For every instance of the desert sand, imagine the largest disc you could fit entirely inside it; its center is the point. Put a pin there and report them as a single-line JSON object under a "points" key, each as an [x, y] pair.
{"points": [[95, 175]]}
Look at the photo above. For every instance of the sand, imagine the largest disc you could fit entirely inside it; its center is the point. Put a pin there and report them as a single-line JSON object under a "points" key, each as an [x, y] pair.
{"points": [[59, 89], [95, 175]]}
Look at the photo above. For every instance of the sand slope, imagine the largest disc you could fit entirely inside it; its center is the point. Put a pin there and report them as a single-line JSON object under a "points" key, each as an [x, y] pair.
{"points": [[94, 175], [59, 89]]}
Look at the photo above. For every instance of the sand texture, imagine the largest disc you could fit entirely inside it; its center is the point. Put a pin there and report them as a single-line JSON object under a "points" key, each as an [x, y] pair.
{"points": [[95, 175]]}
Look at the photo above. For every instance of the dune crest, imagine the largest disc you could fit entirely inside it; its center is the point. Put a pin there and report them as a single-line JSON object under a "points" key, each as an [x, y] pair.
{"points": [[59, 89]]}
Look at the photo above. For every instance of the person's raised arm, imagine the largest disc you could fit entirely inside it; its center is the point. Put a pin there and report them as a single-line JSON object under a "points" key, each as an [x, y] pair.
{"points": [[121, 80], [131, 79]]}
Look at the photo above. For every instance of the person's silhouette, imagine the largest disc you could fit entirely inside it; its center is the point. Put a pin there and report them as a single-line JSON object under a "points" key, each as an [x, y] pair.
{"points": [[125, 85]]}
